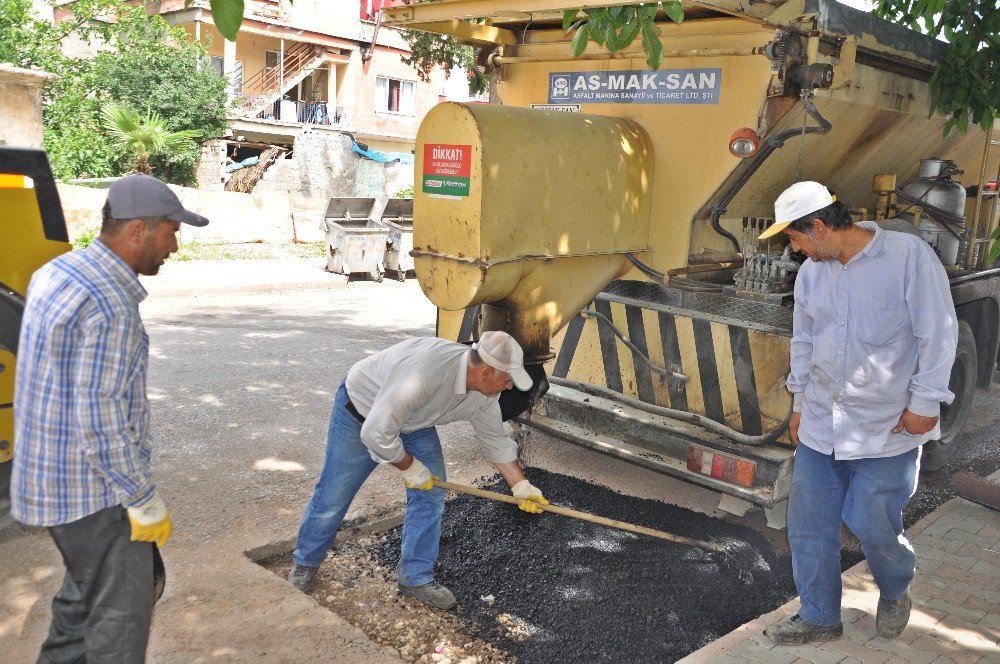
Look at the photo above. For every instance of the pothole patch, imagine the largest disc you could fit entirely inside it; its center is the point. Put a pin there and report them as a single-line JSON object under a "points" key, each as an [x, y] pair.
{"points": [[552, 589]]}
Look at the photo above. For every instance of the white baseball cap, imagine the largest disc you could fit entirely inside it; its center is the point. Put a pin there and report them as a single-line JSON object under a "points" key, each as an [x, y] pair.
{"points": [[501, 351], [796, 202]]}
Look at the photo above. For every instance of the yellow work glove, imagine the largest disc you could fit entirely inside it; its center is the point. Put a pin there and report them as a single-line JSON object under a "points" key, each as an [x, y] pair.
{"points": [[417, 476], [530, 495], [150, 521]]}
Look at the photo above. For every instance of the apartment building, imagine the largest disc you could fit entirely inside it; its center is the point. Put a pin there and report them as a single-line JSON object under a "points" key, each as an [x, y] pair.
{"points": [[322, 63]]}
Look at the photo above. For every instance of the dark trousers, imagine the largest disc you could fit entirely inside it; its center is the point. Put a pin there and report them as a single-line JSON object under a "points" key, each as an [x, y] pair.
{"points": [[103, 610]]}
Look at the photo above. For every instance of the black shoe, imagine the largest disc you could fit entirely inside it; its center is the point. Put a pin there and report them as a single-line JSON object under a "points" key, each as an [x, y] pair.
{"points": [[892, 616], [431, 594], [795, 630], [302, 577]]}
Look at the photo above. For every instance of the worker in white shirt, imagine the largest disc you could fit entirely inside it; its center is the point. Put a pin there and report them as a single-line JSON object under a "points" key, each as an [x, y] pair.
{"points": [[385, 411]]}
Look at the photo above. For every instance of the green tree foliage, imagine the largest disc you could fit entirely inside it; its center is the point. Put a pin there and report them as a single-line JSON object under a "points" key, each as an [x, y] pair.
{"points": [[24, 39], [428, 51], [615, 28], [994, 255], [141, 136], [142, 63], [967, 81]]}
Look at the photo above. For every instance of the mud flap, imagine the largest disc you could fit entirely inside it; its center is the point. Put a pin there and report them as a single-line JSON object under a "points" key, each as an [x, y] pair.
{"points": [[514, 402]]}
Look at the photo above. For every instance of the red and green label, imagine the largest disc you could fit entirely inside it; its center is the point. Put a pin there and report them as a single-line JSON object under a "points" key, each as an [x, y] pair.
{"points": [[447, 169]]}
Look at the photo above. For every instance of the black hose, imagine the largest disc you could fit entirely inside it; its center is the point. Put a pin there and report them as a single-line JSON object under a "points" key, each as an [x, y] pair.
{"points": [[687, 284], [752, 164], [647, 270], [695, 285], [693, 418], [948, 220], [666, 373], [717, 212]]}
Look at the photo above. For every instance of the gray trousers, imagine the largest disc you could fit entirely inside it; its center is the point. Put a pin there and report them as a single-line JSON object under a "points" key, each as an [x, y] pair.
{"points": [[103, 611]]}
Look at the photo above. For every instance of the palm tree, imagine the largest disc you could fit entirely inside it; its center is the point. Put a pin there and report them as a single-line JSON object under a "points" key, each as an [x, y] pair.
{"points": [[143, 136]]}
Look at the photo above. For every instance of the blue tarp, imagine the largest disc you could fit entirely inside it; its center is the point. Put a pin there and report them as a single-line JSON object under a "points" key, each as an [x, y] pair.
{"points": [[249, 161], [384, 157]]}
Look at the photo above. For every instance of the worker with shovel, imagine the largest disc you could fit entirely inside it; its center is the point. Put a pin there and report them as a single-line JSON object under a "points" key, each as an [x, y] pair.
{"points": [[385, 411]]}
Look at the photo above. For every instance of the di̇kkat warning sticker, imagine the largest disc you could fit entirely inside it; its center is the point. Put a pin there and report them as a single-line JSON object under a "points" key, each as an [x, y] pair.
{"points": [[446, 170]]}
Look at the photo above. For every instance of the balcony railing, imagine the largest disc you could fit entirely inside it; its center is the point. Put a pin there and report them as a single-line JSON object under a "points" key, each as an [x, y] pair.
{"points": [[305, 112], [270, 82]]}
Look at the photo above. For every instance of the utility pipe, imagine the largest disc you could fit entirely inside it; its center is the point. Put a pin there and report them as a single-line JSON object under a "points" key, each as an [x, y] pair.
{"points": [[979, 202], [683, 415], [497, 60], [281, 69]]}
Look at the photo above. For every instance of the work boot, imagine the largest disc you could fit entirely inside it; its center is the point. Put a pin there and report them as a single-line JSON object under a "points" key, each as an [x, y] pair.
{"points": [[302, 577], [795, 630], [892, 616], [431, 594]]}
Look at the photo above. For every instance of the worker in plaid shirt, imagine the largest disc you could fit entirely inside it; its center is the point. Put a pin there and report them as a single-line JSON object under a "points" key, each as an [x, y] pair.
{"points": [[81, 418]]}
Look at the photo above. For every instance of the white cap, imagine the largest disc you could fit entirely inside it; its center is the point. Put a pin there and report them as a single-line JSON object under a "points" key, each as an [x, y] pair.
{"points": [[501, 351], [796, 202]]}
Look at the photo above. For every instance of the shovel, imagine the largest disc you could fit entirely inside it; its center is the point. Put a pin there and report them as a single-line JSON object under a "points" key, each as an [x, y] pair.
{"points": [[583, 516]]}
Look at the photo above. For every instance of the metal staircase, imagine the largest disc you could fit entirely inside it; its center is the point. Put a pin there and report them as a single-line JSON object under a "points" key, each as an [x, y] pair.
{"points": [[265, 87]]}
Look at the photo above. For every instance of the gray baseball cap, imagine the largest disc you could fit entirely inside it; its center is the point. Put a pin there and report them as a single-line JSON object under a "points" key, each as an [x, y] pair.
{"points": [[140, 196]]}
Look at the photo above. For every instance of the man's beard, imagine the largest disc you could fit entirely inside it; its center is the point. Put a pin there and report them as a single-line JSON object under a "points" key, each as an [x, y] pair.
{"points": [[824, 252], [150, 265]]}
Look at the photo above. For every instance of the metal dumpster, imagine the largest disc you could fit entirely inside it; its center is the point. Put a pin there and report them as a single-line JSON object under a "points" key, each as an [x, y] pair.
{"points": [[355, 242], [397, 216]]}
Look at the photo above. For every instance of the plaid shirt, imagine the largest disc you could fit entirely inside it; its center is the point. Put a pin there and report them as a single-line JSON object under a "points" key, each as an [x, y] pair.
{"points": [[81, 416]]}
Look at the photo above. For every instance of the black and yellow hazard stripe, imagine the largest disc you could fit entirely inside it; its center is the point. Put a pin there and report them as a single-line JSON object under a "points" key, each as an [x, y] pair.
{"points": [[735, 375]]}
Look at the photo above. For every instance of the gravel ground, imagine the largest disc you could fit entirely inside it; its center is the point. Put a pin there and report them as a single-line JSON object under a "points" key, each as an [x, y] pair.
{"points": [[553, 589]]}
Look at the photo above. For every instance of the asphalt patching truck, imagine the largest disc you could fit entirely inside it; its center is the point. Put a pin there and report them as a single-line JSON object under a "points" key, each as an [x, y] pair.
{"points": [[606, 215]]}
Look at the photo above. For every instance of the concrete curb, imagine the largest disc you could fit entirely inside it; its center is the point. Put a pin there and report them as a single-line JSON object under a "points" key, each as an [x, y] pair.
{"points": [[225, 277], [192, 291]]}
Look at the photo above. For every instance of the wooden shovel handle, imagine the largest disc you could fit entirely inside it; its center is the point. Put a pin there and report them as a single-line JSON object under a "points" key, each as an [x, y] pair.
{"points": [[583, 516]]}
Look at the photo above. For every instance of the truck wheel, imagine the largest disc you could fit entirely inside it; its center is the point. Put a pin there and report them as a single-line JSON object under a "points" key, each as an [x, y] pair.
{"points": [[955, 415]]}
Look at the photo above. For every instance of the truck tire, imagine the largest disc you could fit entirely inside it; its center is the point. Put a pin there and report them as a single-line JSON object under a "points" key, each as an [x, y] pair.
{"points": [[954, 416]]}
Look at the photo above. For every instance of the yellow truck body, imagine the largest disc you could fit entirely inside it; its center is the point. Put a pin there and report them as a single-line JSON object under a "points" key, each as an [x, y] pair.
{"points": [[594, 188]]}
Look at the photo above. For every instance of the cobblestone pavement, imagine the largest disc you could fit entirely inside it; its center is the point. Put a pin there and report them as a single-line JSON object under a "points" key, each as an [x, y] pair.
{"points": [[956, 604]]}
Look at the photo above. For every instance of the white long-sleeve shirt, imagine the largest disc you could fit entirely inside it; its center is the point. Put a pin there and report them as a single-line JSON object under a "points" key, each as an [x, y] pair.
{"points": [[870, 339], [420, 383]]}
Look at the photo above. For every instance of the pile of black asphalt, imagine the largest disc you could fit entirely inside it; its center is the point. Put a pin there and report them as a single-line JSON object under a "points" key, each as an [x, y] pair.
{"points": [[554, 589]]}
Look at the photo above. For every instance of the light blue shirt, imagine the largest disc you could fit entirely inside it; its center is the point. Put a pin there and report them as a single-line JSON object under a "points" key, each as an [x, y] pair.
{"points": [[870, 339], [81, 416]]}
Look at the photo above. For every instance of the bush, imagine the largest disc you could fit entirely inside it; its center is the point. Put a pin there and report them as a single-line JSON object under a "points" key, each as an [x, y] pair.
{"points": [[144, 64]]}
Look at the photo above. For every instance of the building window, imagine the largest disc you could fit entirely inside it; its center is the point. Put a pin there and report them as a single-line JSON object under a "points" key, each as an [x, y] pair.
{"points": [[271, 60], [235, 76], [395, 96]]}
